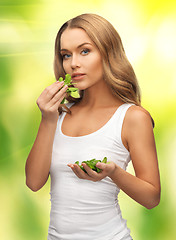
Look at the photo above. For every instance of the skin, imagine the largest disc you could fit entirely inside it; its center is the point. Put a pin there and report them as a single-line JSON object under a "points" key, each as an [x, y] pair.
{"points": [[39, 159], [88, 116], [81, 55]]}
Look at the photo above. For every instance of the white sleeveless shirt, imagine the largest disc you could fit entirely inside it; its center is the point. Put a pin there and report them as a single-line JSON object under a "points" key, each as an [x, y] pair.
{"points": [[82, 209]]}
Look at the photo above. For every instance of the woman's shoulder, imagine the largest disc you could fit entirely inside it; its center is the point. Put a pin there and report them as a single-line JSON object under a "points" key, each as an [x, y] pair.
{"points": [[137, 125], [137, 116]]}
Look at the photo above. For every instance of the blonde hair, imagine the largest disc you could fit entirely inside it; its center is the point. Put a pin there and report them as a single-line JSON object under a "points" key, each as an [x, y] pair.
{"points": [[117, 70]]}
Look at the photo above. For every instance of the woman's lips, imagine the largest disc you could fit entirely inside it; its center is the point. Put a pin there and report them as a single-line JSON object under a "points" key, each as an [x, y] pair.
{"points": [[78, 76]]}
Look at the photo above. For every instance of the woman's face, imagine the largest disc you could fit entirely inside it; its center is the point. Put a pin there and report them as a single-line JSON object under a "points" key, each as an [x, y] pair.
{"points": [[81, 58]]}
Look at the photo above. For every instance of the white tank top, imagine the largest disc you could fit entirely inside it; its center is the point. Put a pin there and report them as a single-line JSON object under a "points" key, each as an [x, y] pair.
{"points": [[82, 209]]}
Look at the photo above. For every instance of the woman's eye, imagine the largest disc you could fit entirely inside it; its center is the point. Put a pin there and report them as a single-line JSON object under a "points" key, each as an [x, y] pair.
{"points": [[66, 56], [85, 51]]}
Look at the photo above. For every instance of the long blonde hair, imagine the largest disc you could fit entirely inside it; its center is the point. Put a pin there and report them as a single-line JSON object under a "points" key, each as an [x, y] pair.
{"points": [[118, 72]]}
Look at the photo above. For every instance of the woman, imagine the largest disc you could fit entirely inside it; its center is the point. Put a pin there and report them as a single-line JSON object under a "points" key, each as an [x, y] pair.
{"points": [[106, 121]]}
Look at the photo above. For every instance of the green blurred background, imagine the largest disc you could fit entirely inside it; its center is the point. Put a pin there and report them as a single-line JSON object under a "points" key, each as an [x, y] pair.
{"points": [[27, 34]]}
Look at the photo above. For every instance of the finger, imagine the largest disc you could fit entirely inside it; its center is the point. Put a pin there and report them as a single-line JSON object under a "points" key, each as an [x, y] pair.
{"points": [[101, 166], [54, 103], [51, 90], [79, 172], [94, 176], [58, 97], [57, 104], [89, 171], [107, 168]]}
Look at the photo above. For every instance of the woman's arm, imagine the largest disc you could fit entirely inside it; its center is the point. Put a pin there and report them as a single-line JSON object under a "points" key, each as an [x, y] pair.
{"points": [[138, 137], [39, 159]]}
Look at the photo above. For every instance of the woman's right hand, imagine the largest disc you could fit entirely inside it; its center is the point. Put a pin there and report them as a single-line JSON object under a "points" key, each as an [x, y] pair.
{"points": [[50, 99]]}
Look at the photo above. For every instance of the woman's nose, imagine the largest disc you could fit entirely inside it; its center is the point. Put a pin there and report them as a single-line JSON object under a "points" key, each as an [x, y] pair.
{"points": [[75, 62]]}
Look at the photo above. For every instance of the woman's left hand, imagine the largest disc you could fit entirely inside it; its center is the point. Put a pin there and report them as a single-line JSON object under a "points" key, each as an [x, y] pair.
{"points": [[107, 170]]}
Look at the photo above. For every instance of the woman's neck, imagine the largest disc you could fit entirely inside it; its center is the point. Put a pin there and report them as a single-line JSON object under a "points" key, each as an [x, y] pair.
{"points": [[99, 96]]}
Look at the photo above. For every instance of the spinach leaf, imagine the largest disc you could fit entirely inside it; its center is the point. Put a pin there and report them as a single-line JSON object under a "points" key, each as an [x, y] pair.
{"points": [[92, 164], [70, 90]]}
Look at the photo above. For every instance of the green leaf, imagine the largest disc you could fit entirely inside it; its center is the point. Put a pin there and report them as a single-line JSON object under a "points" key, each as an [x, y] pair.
{"points": [[72, 89], [63, 101], [83, 169], [92, 164], [104, 160], [98, 170], [75, 94], [60, 79], [67, 79]]}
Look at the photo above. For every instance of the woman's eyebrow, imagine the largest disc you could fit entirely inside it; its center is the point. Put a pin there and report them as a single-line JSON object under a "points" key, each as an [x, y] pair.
{"points": [[63, 49]]}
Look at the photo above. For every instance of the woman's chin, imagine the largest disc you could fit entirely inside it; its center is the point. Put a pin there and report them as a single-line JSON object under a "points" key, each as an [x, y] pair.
{"points": [[79, 86]]}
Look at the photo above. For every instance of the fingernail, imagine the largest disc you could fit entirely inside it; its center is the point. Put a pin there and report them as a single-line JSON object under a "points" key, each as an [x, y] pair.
{"points": [[60, 82]]}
